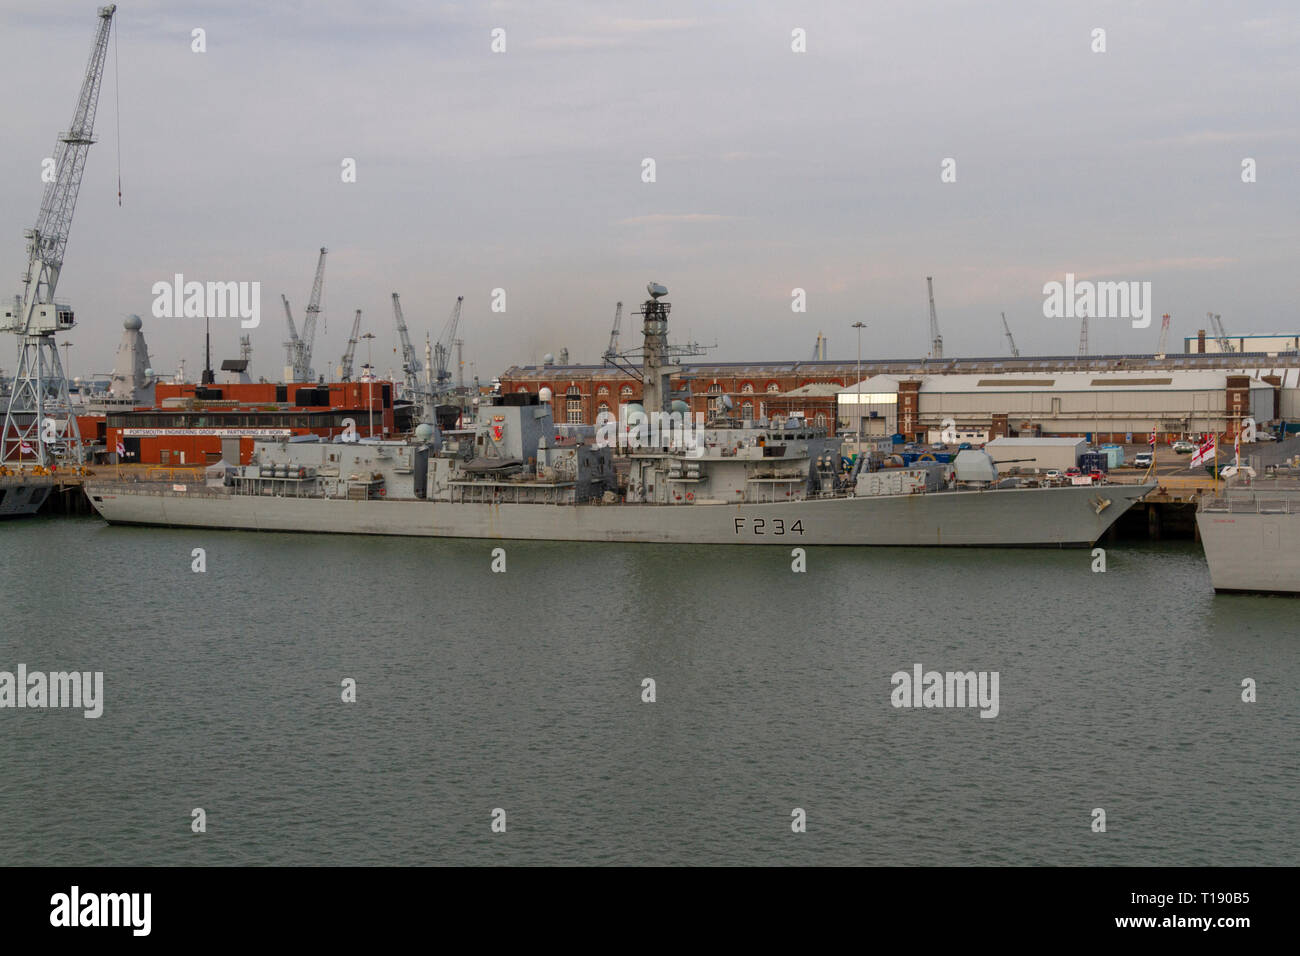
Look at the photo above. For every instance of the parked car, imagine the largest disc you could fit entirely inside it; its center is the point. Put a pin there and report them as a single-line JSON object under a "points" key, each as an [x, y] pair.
{"points": [[1265, 436], [1142, 459], [1097, 475], [1183, 448], [1072, 472], [939, 446], [964, 446], [1052, 475]]}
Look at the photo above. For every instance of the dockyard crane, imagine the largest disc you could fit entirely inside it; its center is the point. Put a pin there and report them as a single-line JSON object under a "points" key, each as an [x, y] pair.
{"points": [[345, 370], [819, 348], [936, 340], [411, 366], [302, 370], [1015, 352], [291, 345], [1083, 337], [612, 351], [39, 420], [1220, 333], [1164, 335], [442, 348]]}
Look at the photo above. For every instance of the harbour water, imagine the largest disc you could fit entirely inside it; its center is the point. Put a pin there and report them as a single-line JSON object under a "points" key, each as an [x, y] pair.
{"points": [[523, 691]]}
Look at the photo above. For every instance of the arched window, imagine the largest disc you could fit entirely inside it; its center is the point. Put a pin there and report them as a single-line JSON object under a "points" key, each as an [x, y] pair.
{"points": [[603, 390], [747, 411], [625, 392], [573, 405], [774, 386], [747, 388], [820, 419], [522, 388], [603, 414], [715, 390]]}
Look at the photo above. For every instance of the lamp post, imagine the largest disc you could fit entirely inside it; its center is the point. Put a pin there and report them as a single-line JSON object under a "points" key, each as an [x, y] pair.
{"points": [[859, 326], [370, 384]]}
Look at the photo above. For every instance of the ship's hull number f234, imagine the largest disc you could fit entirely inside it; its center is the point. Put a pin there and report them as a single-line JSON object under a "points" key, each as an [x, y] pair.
{"points": [[774, 526]]}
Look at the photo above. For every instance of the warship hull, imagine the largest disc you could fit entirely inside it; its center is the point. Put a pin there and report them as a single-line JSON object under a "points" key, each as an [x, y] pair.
{"points": [[1252, 545], [1067, 517], [21, 497]]}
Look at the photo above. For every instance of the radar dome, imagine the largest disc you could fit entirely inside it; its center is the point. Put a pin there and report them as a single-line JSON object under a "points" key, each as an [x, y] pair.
{"points": [[132, 323], [548, 359], [656, 290], [681, 407], [545, 394], [148, 373], [424, 432]]}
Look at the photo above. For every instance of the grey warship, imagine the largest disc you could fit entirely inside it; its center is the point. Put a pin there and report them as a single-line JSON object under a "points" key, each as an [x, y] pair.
{"points": [[1250, 539], [647, 478]]}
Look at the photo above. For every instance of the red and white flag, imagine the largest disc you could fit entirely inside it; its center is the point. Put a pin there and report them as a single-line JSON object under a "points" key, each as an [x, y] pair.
{"points": [[1203, 454], [1152, 439], [121, 450], [26, 449]]}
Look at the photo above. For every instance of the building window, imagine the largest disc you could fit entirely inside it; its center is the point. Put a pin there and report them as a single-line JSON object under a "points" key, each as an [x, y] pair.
{"points": [[603, 390], [625, 392], [747, 411], [603, 413], [573, 405], [715, 390], [774, 386], [747, 388], [820, 419], [522, 388]]}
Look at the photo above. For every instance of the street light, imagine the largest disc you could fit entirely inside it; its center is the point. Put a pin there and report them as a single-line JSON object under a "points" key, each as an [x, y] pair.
{"points": [[370, 384], [859, 326]]}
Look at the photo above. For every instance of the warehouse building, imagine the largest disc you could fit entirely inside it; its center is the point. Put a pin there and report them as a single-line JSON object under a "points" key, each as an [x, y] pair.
{"points": [[1260, 343], [1103, 407]]}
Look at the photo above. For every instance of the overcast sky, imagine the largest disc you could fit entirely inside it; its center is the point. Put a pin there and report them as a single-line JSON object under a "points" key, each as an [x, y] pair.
{"points": [[523, 170]]}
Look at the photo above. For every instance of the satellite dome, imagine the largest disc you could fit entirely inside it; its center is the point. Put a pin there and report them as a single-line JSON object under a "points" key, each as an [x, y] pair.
{"points": [[148, 373], [656, 290], [548, 359], [424, 432], [681, 407], [545, 394], [132, 323]]}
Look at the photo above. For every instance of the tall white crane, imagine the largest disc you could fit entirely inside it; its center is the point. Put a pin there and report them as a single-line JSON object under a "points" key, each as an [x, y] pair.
{"points": [[39, 421], [411, 366], [302, 370], [1015, 352], [1164, 335], [345, 369], [936, 340], [1083, 336], [612, 352]]}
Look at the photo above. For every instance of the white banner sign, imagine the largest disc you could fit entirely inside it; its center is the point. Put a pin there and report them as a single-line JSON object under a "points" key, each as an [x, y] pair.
{"points": [[207, 432]]}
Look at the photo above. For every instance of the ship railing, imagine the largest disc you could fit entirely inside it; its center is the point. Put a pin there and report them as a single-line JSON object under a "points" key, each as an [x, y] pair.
{"points": [[1251, 504]]}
